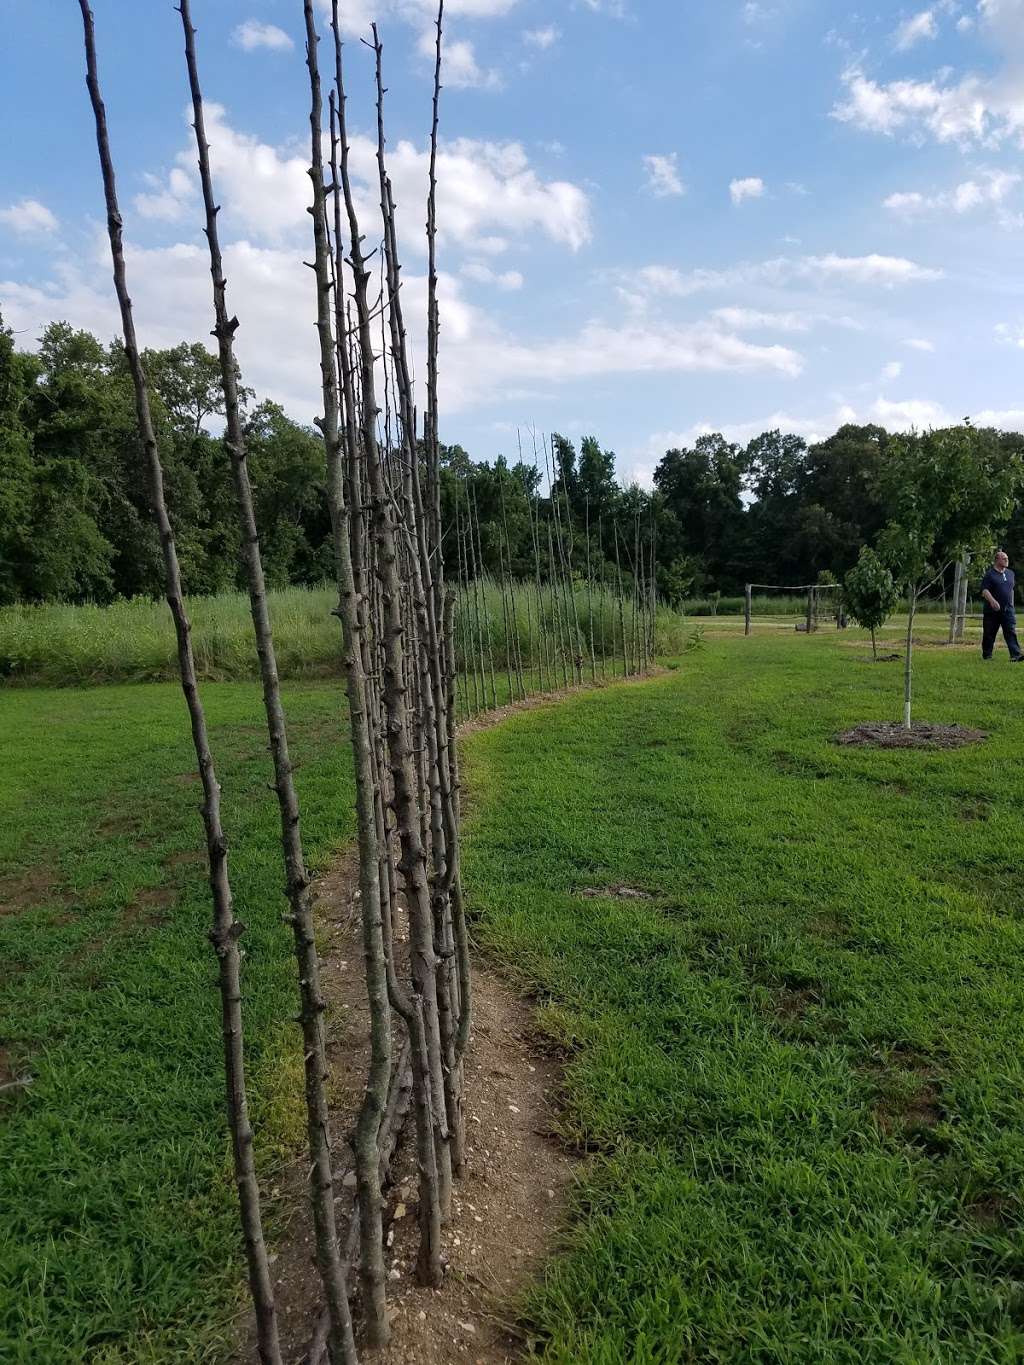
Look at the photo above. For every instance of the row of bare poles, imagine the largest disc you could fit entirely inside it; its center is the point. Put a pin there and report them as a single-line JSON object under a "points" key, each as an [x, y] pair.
{"points": [[567, 617], [406, 637]]}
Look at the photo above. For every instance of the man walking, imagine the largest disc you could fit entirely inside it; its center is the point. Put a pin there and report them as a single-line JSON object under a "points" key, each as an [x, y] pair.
{"points": [[997, 590]]}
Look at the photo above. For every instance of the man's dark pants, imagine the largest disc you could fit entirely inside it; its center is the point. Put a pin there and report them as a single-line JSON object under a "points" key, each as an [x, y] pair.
{"points": [[990, 624]]}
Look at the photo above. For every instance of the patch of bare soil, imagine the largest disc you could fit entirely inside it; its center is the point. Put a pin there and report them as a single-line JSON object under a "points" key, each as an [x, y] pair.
{"points": [[24, 890], [991, 1213], [890, 735], [190, 857], [882, 659], [14, 1079], [618, 892], [510, 1202], [914, 1116], [149, 907], [506, 1208]]}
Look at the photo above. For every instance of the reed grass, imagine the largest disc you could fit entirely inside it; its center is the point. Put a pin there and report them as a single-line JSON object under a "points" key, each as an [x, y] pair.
{"points": [[133, 641]]}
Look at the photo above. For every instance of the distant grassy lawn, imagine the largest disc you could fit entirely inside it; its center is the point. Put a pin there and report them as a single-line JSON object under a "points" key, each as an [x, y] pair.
{"points": [[800, 1063], [118, 1238]]}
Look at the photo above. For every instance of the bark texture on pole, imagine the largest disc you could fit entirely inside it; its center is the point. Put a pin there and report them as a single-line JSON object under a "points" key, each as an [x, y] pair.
{"points": [[226, 929], [321, 1176]]}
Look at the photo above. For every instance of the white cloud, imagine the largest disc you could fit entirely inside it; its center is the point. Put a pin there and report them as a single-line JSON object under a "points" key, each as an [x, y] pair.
{"points": [[356, 16], [873, 270], [1010, 335], [168, 202], [919, 344], [893, 370], [750, 188], [753, 319], [969, 110], [273, 295], [964, 24], [663, 178], [920, 413], [990, 188], [756, 14], [28, 216], [253, 34], [541, 38], [1005, 419], [460, 68], [915, 30], [485, 190], [814, 427], [483, 274]]}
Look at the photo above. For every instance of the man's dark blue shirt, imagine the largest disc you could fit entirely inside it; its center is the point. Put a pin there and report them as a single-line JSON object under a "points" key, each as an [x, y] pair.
{"points": [[999, 582]]}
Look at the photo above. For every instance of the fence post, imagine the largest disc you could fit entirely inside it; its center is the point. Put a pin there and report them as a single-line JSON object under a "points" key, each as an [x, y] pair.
{"points": [[746, 609], [810, 610]]}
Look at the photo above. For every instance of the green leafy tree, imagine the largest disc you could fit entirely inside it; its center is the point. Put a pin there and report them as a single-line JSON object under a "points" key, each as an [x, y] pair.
{"points": [[946, 492], [870, 594]]}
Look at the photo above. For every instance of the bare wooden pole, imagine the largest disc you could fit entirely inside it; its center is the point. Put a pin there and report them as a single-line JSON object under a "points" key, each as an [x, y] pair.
{"points": [[226, 930], [590, 600], [297, 879], [622, 618], [422, 1020]]}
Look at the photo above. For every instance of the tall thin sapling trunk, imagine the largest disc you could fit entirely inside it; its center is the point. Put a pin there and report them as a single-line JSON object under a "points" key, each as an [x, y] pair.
{"points": [[329, 1258], [226, 930]]}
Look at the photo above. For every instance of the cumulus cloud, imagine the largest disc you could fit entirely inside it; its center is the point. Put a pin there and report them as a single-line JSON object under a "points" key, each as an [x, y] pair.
{"points": [[170, 200], [916, 29], [972, 110], [920, 344], [893, 370], [541, 38], [750, 188], [873, 270], [1008, 334], [902, 415], [460, 69], [663, 179], [482, 273], [756, 320], [991, 187], [273, 294], [28, 216], [485, 190], [253, 34]]}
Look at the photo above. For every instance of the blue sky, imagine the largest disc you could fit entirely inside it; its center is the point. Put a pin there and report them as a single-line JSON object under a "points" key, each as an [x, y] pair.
{"points": [[658, 217]]}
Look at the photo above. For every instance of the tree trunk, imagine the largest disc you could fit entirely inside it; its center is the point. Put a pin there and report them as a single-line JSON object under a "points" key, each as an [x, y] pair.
{"points": [[908, 667]]}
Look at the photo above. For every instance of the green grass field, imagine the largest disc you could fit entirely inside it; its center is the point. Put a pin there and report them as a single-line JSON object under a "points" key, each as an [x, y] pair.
{"points": [[796, 1067]]}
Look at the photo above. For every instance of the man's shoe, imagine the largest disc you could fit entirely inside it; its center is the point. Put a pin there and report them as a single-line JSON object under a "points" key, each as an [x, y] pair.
{"points": [[1017, 659]]}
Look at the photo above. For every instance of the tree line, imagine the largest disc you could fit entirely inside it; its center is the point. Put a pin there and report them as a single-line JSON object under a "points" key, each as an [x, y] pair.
{"points": [[74, 523]]}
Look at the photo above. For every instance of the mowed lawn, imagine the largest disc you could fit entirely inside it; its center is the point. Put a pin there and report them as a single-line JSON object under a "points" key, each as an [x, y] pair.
{"points": [[118, 1222], [796, 1068]]}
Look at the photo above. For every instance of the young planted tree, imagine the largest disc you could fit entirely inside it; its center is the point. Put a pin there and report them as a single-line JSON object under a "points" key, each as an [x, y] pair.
{"points": [[870, 594], [946, 492]]}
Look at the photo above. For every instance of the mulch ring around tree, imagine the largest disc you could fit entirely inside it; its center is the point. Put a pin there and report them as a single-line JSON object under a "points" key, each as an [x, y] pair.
{"points": [[890, 735]]}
